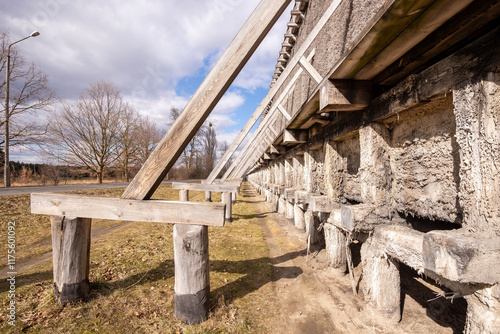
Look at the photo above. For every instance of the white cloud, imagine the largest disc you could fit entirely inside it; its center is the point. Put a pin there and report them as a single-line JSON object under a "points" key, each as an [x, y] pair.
{"points": [[145, 48]]}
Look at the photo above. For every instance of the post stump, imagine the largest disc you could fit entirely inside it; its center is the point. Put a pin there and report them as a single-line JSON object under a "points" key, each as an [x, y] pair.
{"points": [[192, 279], [70, 256]]}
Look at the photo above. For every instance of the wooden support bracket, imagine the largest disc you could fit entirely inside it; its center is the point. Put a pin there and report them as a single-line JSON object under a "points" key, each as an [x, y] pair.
{"points": [[345, 95], [294, 137]]}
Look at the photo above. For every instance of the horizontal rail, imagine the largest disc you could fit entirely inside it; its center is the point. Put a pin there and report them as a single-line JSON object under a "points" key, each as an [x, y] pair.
{"points": [[157, 211]]}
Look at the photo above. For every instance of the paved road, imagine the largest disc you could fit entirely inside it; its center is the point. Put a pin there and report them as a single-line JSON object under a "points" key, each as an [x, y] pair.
{"points": [[29, 190]]}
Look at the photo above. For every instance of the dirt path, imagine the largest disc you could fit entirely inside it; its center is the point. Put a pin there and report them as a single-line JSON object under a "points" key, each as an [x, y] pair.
{"points": [[317, 299]]}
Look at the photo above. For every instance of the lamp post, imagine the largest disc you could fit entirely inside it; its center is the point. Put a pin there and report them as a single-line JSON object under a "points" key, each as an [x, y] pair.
{"points": [[6, 174]]}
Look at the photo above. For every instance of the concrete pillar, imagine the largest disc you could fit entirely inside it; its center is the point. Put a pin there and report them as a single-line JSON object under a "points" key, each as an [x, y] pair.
{"points": [[483, 311], [476, 107]]}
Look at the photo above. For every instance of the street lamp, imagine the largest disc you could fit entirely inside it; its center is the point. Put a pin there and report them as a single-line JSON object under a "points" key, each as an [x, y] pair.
{"points": [[6, 174]]}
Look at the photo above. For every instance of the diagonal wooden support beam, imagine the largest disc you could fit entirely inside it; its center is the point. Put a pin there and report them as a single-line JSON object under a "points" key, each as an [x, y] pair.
{"points": [[255, 116], [284, 112], [271, 116], [307, 66], [205, 99]]}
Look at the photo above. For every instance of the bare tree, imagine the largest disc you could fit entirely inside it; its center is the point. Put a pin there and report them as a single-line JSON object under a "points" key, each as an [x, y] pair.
{"points": [[190, 154], [29, 93], [128, 139], [50, 172], [209, 149], [223, 147], [148, 137], [87, 133]]}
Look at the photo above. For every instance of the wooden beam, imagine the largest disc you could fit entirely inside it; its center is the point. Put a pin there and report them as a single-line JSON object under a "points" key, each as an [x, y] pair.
{"points": [[156, 211], [217, 187], [291, 64], [277, 149], [462, 256], [423, 24], [482, 56], [344, 95], [266, 123], [205, 99], [192, 271], [284, 112], [464, 28], [292, 137], [323, 204]]}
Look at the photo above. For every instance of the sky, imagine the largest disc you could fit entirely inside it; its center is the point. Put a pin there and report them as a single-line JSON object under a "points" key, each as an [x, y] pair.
{"points": [[155, 52]]}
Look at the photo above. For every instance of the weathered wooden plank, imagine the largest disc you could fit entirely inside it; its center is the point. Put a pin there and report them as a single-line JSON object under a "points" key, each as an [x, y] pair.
{"points": [[217, 187], [481, 56], [460, 30], [323, 204], [284, 112], [158, 211], [425, 23], [228, 201], [462, 256], [205, 99]]}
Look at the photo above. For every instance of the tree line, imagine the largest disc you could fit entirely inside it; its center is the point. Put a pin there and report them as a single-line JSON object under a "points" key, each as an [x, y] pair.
{"points": [[101, 132]]}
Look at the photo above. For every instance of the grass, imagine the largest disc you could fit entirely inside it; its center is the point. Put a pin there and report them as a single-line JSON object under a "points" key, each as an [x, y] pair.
{"points": [[132, 276]]}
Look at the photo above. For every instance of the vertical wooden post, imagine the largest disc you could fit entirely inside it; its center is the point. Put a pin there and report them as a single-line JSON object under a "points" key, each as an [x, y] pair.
{"points": [[70, 256], [208, 196], [233, 197], [382, 283], [281, 205], [335, 247], [226, 199], [311, 227], [289, 211], [299, 219], [192, 280]]}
